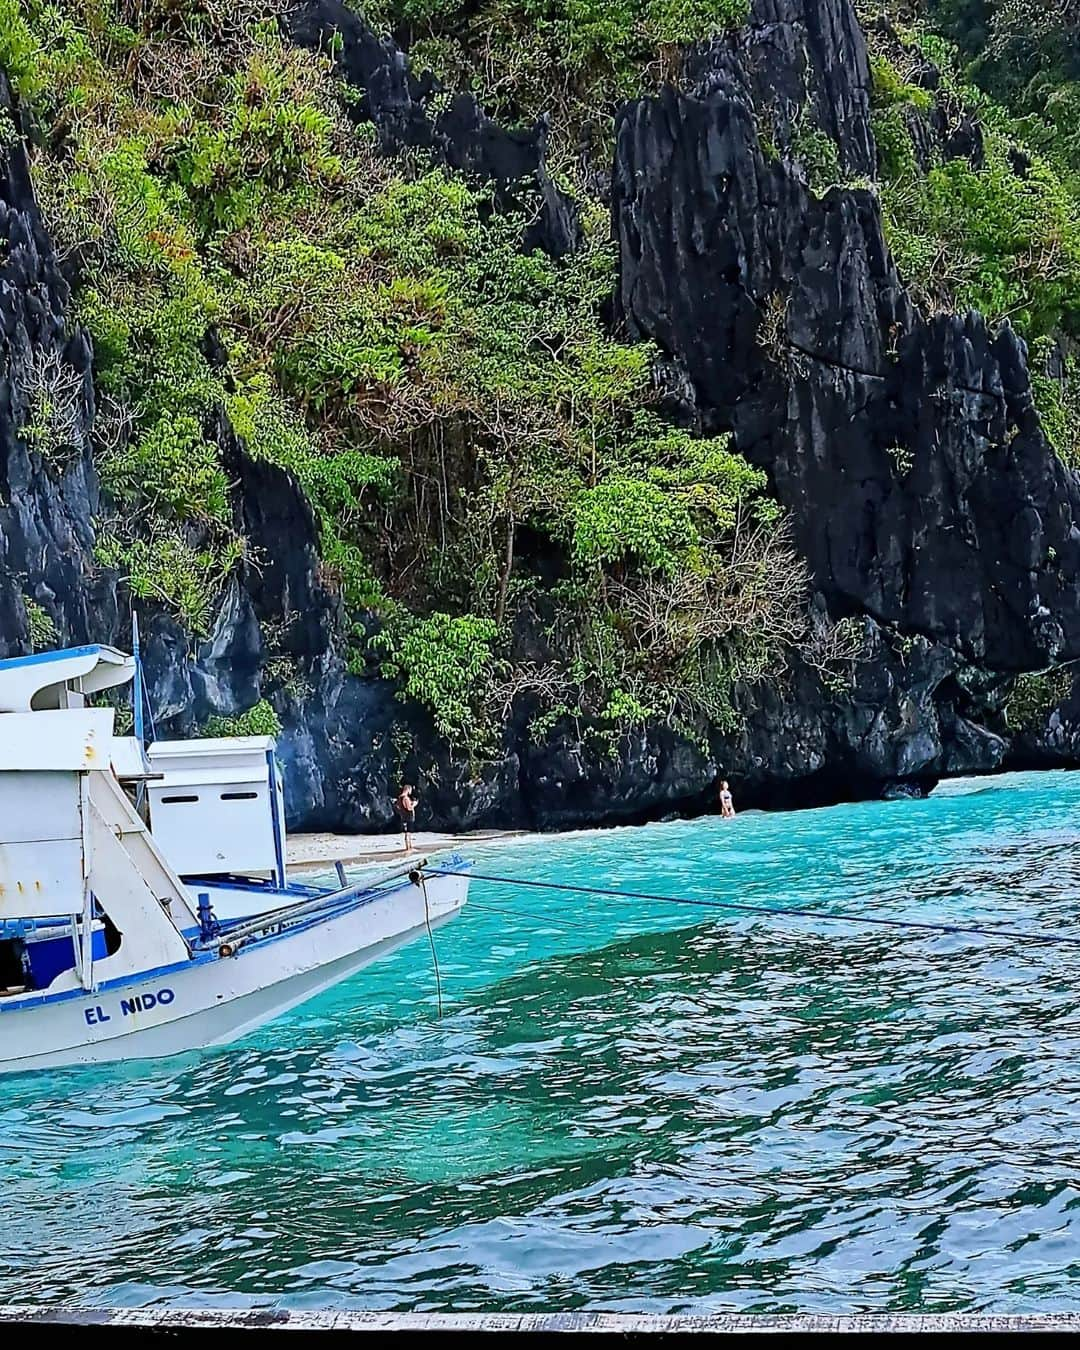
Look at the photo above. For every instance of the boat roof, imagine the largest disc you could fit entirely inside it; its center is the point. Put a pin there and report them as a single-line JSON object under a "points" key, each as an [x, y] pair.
{"points": [[215, 747], [35, 682], [206, 760]]}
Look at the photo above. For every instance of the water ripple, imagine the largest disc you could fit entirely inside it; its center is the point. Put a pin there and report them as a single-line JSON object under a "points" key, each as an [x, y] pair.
{"points": [[628, 1105]]}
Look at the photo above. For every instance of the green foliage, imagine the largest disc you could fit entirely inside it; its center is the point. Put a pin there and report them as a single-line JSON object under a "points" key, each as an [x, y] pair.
{"points": [[1003, 238], [819, 155], [173, 468], [270, 427], [570, 59], [615, 37], [888, 87], [18, 49], [269, 141], [337, 483], [347, 568], [626, 518], [52, 392], [167, 568], [259, 720], [896, 154], [894, 100], [1026, 55], [42, 629], [1033, 698], [716, 486], [1057, 401], [444, 664], [472, 439], [626, 709], [1009, 245], [664, 520]]}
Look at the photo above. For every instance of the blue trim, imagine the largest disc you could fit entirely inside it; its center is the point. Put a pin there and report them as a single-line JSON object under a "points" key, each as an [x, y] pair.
{"points": [[21, 928], [451, 866], [226, 882], [334, 900], [201, 957], [208, 924], [137, 691], [16, 928], [123, 982], [44, 658], [349, 900], [252, 886], [279, 843]]}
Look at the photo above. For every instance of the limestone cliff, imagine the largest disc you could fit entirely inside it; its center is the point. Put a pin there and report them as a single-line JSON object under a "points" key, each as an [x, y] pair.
{"points": [[930, 508]]}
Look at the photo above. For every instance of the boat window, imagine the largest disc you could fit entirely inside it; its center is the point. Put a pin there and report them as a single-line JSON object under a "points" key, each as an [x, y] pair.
{"points": [[14, 972], [239, 796], [113, 936], [170, 800]]}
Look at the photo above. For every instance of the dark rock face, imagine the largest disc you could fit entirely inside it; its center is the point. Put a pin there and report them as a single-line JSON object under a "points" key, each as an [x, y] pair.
{"points": [[908, 452], [462, 136], [48, 494], [923, 492], [792, 62], [276, 590]]}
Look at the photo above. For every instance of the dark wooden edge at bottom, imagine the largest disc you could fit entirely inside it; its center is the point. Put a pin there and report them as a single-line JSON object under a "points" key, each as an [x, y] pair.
{"points": [[130, 1326]]}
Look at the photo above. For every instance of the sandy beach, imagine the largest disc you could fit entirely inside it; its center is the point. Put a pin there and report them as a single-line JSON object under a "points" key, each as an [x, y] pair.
{"points": [[317, 851]]}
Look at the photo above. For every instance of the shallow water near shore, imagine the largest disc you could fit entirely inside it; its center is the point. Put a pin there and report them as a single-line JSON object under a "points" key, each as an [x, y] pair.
{"points": [[627, 1105]]}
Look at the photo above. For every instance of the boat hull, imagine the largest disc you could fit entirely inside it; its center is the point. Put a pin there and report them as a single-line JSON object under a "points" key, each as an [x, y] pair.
{"points": [[214, 999]]}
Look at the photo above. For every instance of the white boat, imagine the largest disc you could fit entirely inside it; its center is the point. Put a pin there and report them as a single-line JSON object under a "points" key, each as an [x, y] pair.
{"points": [[105, 952]]}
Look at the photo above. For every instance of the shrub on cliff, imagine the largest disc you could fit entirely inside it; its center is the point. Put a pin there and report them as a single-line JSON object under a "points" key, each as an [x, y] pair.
{"points": [[1000, 233], [982, 206]]}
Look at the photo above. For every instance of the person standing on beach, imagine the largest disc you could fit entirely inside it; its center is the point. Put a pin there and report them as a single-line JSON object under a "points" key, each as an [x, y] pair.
{"points": [[405, 805], [727, 805]]}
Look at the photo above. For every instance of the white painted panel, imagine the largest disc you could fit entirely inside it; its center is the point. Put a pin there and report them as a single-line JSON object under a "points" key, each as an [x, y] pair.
{"points": [[223, 775], [127, 757], [150, 938], [197, 746], [38, 806], [216, 832], [22, 678], [39, 681], [111, 809], [242, 754], [64, 739], [211, 813], [37, 881], [113, 669]]}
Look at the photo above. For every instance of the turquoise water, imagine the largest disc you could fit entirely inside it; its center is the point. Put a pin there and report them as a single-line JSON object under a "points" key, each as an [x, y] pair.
{"points": [[627, 1105]]}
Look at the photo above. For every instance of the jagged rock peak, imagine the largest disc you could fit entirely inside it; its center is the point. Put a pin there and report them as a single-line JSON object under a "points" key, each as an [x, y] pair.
{"points": [[462, 135], [796, 65]]}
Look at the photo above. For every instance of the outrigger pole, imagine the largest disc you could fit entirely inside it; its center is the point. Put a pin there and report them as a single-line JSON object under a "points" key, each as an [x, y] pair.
{"points": [[137, 687], [138, 701]]}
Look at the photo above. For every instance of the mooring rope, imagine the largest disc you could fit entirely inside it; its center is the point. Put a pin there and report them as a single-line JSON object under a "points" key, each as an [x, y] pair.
{"points": [[551, 920], [772, 911], [431, 939]]}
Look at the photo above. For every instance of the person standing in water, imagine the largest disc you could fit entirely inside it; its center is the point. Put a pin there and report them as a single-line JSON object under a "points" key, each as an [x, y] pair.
{"points": [[405, 805], [727, 805]]}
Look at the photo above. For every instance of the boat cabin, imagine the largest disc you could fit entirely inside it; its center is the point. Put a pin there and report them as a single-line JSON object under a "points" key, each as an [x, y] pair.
{"points": [[217, 807], [80, 806]]}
